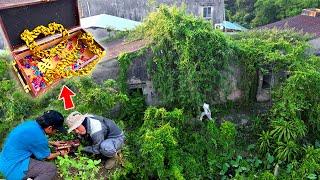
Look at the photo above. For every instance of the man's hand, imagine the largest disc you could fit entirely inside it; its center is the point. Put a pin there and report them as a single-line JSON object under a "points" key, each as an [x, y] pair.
{"points": [[61, 152], [56, 143], [64, 151]]}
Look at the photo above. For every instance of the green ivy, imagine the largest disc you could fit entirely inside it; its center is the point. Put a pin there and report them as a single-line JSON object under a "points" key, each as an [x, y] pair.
{"points": [[125, 60], [264, 51], [188, 58], [295, 112]]}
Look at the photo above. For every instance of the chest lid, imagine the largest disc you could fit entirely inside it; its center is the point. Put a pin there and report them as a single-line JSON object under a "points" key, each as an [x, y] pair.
{"points": [[16, 16]]}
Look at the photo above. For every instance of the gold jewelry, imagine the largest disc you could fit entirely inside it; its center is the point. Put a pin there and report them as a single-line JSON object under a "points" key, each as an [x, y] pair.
{"points": [[63, 69], [29, 38]]}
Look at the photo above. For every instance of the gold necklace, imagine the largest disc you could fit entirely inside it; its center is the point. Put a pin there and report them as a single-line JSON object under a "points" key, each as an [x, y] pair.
{"points": [[67, 58]]}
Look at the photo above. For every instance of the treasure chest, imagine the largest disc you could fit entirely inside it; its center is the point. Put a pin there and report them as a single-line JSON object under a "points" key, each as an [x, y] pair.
{"points": [[47, 42]]}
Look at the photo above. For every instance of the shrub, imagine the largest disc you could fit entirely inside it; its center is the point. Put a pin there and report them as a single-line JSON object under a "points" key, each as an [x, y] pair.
{"points": [[158, 148], [265, 142], [132, 111], [227, 137], [79, 167], [288, 130]]}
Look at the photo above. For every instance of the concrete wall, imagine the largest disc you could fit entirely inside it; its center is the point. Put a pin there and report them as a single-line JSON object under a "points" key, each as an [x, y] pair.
{"points": [[138, 78], [138, 9], [315, 43], [137, 74]]}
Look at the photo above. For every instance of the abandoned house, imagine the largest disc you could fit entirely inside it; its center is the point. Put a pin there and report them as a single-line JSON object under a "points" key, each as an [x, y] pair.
{"points": [[308, 22]]}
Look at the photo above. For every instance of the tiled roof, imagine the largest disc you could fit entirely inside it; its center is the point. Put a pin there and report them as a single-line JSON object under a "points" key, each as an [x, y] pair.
{"points": [[306, 24]]}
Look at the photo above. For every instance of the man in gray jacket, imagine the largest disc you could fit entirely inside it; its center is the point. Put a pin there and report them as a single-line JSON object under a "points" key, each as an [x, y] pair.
{"points": [[107, 138]]}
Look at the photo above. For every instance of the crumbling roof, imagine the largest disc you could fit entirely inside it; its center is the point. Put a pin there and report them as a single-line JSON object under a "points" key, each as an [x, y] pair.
{"points": [[303, 23]]}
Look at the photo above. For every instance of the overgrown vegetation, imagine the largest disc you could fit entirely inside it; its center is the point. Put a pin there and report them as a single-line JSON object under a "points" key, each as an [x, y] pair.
{"points": [[188, 57], [125, 60], [253, 13], [268, 52], [187, 67], [291, 120], [168, 143], [80, 167]]}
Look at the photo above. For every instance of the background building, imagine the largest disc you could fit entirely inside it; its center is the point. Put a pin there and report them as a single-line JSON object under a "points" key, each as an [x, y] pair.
{"points": [[137, 10]]}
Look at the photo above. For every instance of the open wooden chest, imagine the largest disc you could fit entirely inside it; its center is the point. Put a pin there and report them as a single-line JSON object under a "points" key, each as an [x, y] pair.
{"points": [[47, 42]]}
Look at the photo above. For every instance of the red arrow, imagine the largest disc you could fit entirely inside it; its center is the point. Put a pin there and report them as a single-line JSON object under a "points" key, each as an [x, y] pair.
{"points": [[66, 94]]}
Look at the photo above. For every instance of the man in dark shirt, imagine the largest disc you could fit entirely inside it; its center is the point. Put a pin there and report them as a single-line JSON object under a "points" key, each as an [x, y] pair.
{"points": [[107, 138]]}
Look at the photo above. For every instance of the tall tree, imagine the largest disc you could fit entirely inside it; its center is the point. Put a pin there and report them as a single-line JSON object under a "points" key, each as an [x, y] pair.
{"points": [[266, 12], [241, 11]]}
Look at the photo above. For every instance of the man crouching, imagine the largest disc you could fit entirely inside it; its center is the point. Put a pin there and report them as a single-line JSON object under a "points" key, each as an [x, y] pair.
{"points": [[106, 137]]}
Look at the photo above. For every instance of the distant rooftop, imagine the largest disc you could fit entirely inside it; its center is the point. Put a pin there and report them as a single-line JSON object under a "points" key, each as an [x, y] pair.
{"points": [[108, 21], [233, 26], [314, 12], [230, 26], [307, 22]]}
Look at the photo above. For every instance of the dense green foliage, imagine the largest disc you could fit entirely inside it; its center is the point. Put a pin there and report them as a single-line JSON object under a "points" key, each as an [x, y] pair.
{"points": [[290, 125], [267, 51], [81, 168], [241, 11], [125, 60], [14, 105], [90, 96], [293, 118], [188, 57], [295, 115], [252, 13], [168, 143]]}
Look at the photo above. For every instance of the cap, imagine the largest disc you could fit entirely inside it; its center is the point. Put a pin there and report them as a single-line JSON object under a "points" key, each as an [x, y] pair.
{"points": [[74, 120], [55, 119]]}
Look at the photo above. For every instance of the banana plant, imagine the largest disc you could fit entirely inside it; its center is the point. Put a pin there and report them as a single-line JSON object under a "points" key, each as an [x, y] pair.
{"points": [[287, 151]]}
